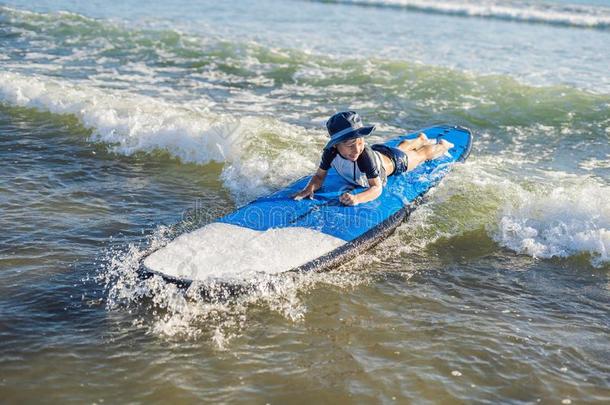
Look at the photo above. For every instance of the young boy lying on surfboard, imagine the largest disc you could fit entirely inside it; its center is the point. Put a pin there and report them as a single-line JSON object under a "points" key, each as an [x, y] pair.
{"points": [[363, 165]]}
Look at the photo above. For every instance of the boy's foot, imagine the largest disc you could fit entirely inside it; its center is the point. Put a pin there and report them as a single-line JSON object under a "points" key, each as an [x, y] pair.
{"points": [[445, 144], [417, 143], [440, 149]]}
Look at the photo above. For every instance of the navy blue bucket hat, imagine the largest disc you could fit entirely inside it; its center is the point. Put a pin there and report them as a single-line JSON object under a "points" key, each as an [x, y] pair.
{"points": [[345, 125]]}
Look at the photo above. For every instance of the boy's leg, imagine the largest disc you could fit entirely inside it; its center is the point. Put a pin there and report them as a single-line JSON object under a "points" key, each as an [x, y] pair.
{"points": [[427, 152]]}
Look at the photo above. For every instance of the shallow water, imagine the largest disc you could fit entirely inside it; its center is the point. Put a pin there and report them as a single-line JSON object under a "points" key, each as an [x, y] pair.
{"points": [[122, 126]]}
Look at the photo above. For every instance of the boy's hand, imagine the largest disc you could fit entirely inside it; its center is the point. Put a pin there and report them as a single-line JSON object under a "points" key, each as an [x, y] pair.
{"points": [[348, 199], [305, 193]]}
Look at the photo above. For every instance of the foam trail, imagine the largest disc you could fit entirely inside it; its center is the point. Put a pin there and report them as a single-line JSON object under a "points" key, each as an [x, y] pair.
{"points": [[548, 13]]}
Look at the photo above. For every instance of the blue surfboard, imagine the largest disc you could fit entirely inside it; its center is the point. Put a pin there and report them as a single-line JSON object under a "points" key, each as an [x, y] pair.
{"points": [[275, 233]]}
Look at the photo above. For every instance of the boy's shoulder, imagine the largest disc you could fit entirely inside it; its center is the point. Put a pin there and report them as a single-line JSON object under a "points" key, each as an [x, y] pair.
{"points": [[367, 153], [328, 155]]}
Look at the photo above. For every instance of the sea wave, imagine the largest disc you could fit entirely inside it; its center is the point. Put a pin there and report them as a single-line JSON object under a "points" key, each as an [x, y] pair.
{"points": [[132, 123], [522, 11], [568, 219], [241, 73], [479, 207], [261, 152]]}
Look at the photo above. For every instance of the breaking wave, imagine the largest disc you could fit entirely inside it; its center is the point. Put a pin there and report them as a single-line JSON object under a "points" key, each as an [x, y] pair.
{"points": [[568, 219], [131, 123], [522, 11]]}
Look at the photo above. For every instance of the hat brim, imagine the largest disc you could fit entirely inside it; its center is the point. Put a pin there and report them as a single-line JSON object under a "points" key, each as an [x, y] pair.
{"points": [[356, 133]]}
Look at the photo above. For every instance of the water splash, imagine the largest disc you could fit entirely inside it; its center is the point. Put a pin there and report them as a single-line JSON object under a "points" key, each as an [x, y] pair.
{"points": [[559, 221], [208, 310], [543, 215]]}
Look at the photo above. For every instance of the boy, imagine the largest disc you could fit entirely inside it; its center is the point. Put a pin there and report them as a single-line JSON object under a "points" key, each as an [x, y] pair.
{"points": [[363, 165]]}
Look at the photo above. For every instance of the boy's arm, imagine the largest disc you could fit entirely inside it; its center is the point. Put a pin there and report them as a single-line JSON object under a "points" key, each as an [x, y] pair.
{"points": [[315, 183], [371, 193]]}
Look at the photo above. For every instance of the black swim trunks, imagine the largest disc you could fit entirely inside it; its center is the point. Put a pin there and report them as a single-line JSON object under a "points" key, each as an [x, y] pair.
{"points": [[399, 158]]}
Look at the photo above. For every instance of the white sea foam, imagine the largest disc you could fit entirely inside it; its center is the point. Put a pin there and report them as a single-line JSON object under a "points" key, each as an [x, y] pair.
{"points": [[255, 150], [568, 219], [550, 13]]}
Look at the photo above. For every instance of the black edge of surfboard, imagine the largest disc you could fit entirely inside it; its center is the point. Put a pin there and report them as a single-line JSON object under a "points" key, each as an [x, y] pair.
{"points": [[466, 153], [333, 258]]}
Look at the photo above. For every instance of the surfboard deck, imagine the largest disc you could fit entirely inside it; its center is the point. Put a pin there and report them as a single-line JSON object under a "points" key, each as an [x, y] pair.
{"points": [[275, 234]]}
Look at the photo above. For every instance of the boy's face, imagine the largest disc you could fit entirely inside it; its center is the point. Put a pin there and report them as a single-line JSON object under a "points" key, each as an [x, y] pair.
{"points": [[351, 149]]}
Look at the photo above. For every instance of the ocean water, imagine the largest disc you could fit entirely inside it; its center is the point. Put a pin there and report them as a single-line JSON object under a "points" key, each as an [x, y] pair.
{"points": [[125, 124]]}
